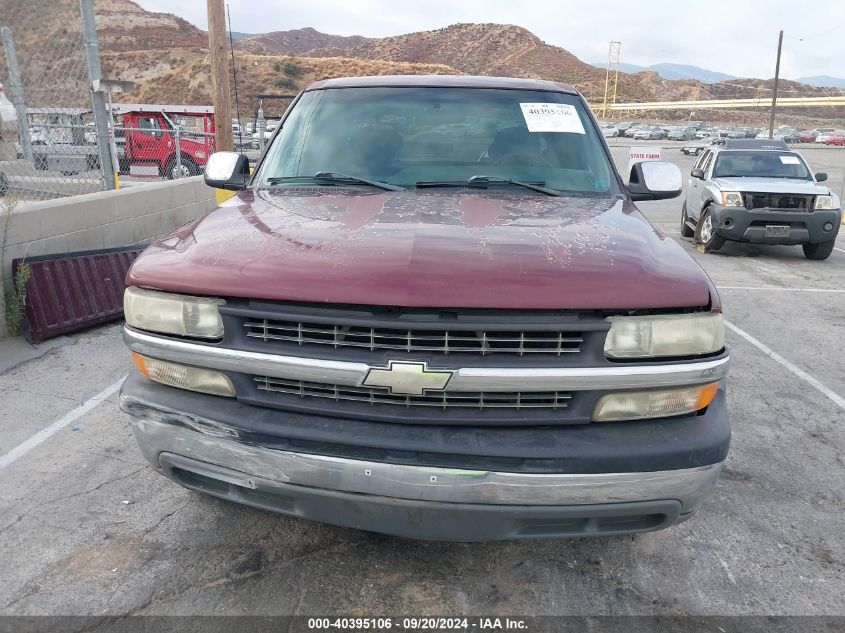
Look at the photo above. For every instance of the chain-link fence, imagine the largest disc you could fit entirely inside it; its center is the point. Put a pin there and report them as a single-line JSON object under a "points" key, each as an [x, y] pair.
{"points": [[50, 142]]}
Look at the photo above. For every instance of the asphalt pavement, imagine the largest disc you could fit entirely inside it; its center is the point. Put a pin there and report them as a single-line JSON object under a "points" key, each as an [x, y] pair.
{"points": [[86, 527]]}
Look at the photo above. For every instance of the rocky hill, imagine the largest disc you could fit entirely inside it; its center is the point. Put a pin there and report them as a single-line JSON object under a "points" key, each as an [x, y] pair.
{"points": [[478, 49], [299, 41], [122, 25], [261, 74], [167, 58]]}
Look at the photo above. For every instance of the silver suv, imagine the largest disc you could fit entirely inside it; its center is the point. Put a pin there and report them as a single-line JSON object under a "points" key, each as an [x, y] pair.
{"points": [[759, 191]]}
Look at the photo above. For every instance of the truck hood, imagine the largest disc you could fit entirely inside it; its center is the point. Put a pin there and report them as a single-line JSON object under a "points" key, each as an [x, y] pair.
{"points": [[426, 248], [772, 185]]}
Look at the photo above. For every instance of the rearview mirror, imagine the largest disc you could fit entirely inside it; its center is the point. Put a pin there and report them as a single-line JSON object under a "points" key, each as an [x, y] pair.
{"points": [[227, 170], [697, 173], [821, 176], [655, 180]]}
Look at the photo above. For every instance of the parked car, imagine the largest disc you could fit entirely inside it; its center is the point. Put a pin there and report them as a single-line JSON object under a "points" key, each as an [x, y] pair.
{"points": [[625, 126], [822, 133], [759, 191], [649, 133], [785, 134], [681, 134], [634, 129], [61, 140], [707, 132], [835, 138], [430, 344], [697, 148], [807, 136], [609, 130]]}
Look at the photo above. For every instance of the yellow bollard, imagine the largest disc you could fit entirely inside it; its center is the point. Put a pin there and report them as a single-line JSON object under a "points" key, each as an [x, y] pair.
{"points": [[221, 195]]}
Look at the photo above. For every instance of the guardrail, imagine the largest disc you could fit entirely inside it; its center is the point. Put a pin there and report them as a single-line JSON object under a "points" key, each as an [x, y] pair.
{"points": [[711, 104]]}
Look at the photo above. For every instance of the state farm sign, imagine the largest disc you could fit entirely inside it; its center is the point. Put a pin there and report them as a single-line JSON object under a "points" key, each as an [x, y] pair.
{"points": [[641, 155]]}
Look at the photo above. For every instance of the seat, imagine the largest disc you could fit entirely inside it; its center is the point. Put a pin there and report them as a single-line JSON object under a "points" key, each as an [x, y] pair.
{"points": [[513, 141]]}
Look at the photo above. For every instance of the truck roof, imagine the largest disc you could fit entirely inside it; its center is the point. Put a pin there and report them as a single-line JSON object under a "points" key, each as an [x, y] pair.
{"points": [[442, 81], [71, 111], [125, 108], [752, 143]]}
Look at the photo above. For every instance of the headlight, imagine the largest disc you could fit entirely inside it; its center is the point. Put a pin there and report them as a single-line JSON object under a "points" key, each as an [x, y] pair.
{"points": [[824, 202], [732, 199], [661, 403], [667, 335], [199, 154], [173, 314], [184, 376]]}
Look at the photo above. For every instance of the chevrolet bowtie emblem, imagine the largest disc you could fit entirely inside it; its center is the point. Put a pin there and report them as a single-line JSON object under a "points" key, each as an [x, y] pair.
{"points": [[409, 379]]}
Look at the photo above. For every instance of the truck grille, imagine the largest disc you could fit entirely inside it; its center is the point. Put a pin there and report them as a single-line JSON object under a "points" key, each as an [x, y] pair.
{"points": [[481, 342], [791, 201], [552, 400]]}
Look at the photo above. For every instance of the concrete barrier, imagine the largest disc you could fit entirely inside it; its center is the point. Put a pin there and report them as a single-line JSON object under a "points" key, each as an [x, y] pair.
{"points": [[106, 219]]}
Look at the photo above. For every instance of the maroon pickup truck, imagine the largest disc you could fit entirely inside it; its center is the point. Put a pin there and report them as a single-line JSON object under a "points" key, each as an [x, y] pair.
{"points": [[433, 311]]}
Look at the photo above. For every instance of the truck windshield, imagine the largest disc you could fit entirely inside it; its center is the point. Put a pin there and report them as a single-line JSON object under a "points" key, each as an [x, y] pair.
{"points": [[761, 164], [405, 136]]}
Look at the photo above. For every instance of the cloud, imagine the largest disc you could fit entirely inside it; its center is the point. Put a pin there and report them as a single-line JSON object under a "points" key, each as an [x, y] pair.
{"points": [[731, 36]]}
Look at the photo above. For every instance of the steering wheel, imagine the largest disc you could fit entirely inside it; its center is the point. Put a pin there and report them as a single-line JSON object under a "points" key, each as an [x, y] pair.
{"points": [[525, 158]]}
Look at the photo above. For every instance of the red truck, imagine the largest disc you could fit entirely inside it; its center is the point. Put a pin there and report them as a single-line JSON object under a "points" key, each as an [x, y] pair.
{"points": [[173, 141], [433, 311]]}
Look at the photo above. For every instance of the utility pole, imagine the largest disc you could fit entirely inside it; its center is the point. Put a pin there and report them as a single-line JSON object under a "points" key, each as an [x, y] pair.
{"points": [[221, 97], [775, 95]]}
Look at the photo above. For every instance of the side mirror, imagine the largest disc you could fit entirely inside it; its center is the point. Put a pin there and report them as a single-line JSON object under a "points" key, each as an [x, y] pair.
{"points": [[655, 180], [821, 176], [697, 173], [227, 170]]}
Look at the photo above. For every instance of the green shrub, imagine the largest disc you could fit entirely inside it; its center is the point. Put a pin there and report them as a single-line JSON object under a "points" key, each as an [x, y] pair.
{"points": [[277, 67], [292, 69], [284, 83], [16, 300]]}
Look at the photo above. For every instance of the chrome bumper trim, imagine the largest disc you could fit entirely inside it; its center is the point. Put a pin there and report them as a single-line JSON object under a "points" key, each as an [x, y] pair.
{"points": [[157, 435], [463, 379]]}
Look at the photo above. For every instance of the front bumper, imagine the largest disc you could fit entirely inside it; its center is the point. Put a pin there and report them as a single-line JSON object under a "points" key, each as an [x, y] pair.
{"points": [[201, 447], [741, 225]]}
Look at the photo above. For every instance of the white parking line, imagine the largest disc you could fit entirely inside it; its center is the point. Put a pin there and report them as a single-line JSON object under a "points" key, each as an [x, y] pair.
{"points": [[840, 290], [803, 375], [839, 249], [27, 445]]}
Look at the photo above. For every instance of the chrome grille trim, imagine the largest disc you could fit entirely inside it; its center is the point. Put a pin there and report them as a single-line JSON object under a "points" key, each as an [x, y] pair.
{"points": [[622, 376], [484, 342], [441, 399]]}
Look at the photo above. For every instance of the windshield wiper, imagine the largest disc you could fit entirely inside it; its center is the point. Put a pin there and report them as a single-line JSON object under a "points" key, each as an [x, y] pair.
{"points": [[330, 176], [484, 180]]}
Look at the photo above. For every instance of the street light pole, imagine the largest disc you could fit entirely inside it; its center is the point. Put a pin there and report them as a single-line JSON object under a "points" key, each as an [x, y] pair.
{"points": [[775, 95]]}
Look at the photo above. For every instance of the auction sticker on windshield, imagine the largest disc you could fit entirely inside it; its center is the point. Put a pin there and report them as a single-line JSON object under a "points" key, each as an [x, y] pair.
{"points": [[790, 160], [552, 117]]}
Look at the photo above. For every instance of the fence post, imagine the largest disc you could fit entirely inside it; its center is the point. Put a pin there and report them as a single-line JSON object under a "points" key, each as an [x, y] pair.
{"points": [[178, 154], [17, 92], [92, 55]]}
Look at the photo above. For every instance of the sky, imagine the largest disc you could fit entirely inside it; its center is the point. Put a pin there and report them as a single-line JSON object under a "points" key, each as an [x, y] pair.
{"points": [[737, 37]]}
